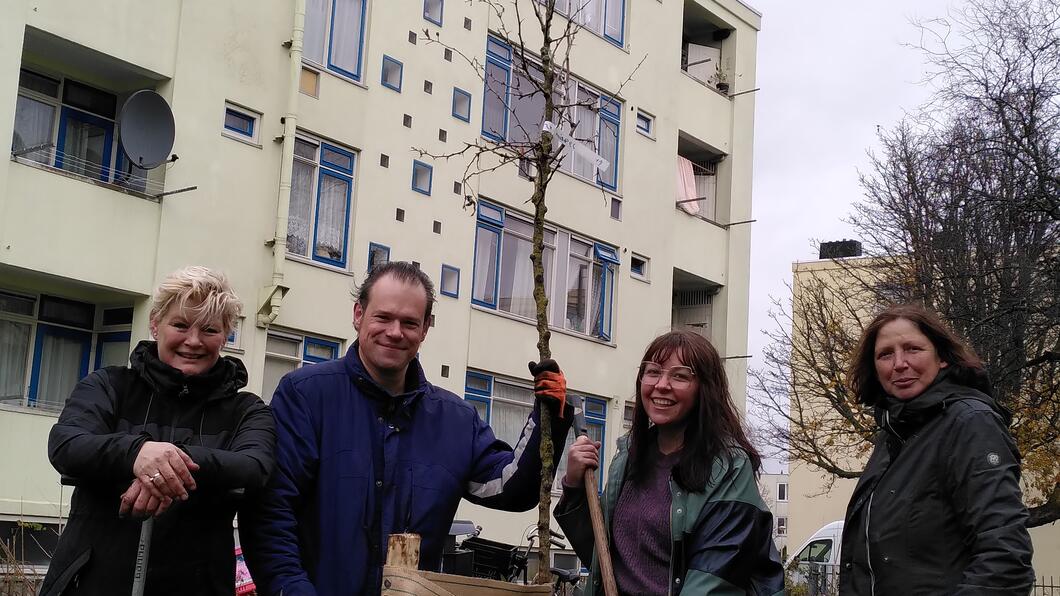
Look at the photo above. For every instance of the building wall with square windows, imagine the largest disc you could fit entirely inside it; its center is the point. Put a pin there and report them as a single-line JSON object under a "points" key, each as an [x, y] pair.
{"points": [[277, 177]]}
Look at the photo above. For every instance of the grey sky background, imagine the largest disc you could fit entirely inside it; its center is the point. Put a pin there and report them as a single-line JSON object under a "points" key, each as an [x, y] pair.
{"points": [[830, 71]]}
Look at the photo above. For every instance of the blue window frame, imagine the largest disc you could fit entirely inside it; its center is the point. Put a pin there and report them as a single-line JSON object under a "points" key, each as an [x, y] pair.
{"points": [[645, 124], [598, 116], [461, 104], [478, 388], [377, 255], [449, 284], [60, 358], [334, 36], [422, 176], [432, 11], [239, 122], [582, 297], [321, 192], [392, 73], [315, 350], [84, 144]]}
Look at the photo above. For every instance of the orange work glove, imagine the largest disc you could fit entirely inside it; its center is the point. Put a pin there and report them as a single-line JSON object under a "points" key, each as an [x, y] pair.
{"points": [[549, 382]]}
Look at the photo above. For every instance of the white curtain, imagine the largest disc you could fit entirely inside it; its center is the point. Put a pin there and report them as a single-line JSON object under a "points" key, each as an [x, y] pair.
{"points": [[585, 133], [300, 208], [14, 349], [275, 369], [83, 148], [577, 294], [486, 248], [316, 19], [613, 18], [331, 218], [60, 369], [115, 353], [346, 35], [517, 277], [686, 186], [508, 419], [609, 151], [33, 126]]}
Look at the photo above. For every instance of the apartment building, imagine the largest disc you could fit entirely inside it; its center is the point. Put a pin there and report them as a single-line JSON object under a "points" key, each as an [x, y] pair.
{"points": [[773, 485], [295, 170]]}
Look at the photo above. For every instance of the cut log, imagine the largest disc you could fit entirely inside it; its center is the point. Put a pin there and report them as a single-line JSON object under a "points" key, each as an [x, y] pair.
{"points": [[398, 581]]}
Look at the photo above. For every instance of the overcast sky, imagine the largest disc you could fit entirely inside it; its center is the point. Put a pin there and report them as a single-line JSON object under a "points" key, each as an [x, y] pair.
{"points": [[830, 71]]}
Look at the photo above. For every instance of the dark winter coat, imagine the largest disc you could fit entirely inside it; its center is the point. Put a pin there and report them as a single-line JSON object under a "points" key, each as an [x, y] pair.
{"points": [[110, 414], [938, 509], [722, 538], [355, 464]]}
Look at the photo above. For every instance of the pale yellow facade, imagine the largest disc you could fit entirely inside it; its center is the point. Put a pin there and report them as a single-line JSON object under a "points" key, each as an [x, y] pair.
{"points": [[818, 499], [71, 236]]}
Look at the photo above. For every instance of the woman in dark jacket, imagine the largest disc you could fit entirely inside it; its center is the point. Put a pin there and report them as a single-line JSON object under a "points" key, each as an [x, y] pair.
{"points": [[170, 437], [938, 509], [682, 484]]}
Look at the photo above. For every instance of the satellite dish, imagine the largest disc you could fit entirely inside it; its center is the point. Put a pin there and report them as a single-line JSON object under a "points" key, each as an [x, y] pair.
{"points": [[146, 129]]}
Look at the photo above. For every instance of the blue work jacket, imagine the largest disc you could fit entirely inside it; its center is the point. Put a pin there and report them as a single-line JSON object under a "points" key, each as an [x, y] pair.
{"points": [[355, 465]]}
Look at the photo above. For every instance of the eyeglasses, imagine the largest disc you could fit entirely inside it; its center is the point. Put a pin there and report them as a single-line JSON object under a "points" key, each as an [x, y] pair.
{"points": [[680, 376]]}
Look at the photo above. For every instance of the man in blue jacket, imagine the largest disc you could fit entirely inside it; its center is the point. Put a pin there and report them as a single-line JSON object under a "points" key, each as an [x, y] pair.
{"points": [[367, 447]]}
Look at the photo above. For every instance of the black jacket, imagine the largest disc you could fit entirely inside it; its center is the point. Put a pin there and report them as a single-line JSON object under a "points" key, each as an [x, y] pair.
{"points": [[938, 509], [109, 416]]}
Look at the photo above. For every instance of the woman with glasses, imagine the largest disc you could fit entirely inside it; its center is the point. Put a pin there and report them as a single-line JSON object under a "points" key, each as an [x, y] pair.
{"points": [[682, 485]]}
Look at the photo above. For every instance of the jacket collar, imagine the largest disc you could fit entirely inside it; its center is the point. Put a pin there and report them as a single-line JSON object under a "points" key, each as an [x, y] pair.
{"points": [[903, 418], [396, 408], [227, 375]]}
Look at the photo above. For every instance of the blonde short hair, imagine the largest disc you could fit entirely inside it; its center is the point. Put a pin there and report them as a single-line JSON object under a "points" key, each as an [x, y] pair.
{"points": [[207, 291]]}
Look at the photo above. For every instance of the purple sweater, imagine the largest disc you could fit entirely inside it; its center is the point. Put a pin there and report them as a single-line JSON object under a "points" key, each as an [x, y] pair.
{"points": [[640, 530]]}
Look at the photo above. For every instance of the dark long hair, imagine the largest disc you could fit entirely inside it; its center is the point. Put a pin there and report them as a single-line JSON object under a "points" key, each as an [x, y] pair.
{"points": [[713, 425], [964, 366]]}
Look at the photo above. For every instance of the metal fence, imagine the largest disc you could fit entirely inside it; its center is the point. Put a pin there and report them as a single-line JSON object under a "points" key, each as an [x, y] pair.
{"points": [[813, 579], [1047, 586]]}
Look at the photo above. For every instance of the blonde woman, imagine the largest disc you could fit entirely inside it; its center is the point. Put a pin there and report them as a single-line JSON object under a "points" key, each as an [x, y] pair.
{"points": [[168, 436]]}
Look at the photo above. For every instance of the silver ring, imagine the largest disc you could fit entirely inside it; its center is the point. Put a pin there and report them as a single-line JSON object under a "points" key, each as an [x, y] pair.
{"points": [[156, 476]]}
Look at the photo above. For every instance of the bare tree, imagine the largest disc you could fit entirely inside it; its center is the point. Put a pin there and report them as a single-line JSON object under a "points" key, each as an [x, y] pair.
{"points": [[960, 213], [537, 139]]}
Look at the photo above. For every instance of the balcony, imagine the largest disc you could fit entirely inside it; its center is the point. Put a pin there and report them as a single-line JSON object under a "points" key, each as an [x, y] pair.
{"points": [[697, 178], [703, 47]]}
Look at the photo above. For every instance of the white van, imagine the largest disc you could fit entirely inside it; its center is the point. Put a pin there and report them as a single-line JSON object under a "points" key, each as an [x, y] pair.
{"points": [[823, 547]]}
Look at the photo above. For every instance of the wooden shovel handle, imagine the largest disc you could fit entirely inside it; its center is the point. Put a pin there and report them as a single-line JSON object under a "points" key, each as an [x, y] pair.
{"points": [[603, 555]]}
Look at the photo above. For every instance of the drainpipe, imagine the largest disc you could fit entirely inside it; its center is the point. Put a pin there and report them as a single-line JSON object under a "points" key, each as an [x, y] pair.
{"points": [[272, 295]]}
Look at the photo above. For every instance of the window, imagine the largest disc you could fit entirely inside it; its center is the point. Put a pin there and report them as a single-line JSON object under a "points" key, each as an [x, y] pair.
{"points": [[241, 123], [505, 405], [782, 491], [461, 104], [616, 208], [646, 124], [638, 267], [595, 425], [605, 18], [816, 551], [432, 11], [285, 352], [321, 187], [70, 125], [377, 255], [234, 339], [450, 285], [513, 111], [421, 177], [391, 76], [627, 415], [782, 526], [503, 276], [334, 35], [47, 344]]}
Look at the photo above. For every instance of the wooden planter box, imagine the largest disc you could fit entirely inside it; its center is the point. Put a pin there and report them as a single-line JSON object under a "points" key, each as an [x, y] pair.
{"points": [[402, 578]]}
